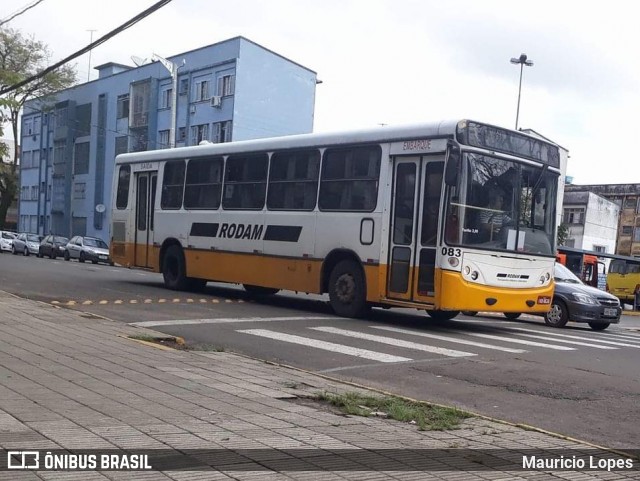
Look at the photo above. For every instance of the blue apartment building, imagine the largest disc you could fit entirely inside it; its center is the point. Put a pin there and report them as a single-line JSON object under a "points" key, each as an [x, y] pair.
{"points": [[231, 90]]}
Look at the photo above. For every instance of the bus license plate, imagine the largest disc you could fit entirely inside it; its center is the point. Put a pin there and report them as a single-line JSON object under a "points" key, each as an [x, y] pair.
{"points": [[610, 312]]}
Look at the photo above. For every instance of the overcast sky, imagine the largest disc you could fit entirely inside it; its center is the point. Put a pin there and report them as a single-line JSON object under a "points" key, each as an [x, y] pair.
{"points": [[403, 61]]}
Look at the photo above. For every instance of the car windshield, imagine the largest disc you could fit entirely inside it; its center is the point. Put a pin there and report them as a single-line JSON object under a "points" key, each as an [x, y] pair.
{"points": [[60, 240], [95, 243], [8, 235], [562, 274], [34, 238]]}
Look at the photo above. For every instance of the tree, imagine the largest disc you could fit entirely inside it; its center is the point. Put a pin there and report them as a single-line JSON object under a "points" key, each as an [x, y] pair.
{"points": [[20, 58], [563, 234]]}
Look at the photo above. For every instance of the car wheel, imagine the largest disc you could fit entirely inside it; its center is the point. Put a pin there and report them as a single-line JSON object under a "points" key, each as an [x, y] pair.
{"points": [[81, 258], [94, 262], [259, 291], [13, 250], [558, 315], [25, 252], [53, 255], [347, 290], [442, 315], [470, 313], [599, 326], [512, 315], [67, 257], [174, 269], [39, 254]]}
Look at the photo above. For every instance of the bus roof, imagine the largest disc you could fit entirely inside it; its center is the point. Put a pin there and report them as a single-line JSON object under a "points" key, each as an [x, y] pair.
{"points": [[446, 128]]}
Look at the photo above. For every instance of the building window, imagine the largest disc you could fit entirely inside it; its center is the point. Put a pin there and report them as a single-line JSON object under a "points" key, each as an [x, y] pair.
{"points": [[122, 144], [599, 248], [182, 134], [123, 106], [629, 203], [165, 98], [83, 120], [226, 85], [79, 190], [204, 183], [163, 139], [293, 180], [636, 234], [184, 86], [349, 180], [627, 229], [245, 181], [574, 215], [222, 132], [25, 161], [81, 158], [202, 90], [199, 133], [34, 192], [35, 158], [27, 127]]}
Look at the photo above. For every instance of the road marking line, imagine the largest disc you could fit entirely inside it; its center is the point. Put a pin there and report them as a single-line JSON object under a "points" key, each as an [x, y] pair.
{"points": [[326, 346], [568, 336], [133, 301], [176, 301], [203, 300], [103, 302], [451, 339], [226, 320], [162, 301], [55, 302], [228, 300], [215, 301], [118, 301], [577, 343], [71, 303], [87, 303], [148, 301], [394, 342], [521, 341], [189, 300]]}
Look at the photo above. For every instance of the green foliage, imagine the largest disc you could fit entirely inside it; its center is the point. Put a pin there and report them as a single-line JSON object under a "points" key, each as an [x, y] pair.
{"points": [[563, 234]]}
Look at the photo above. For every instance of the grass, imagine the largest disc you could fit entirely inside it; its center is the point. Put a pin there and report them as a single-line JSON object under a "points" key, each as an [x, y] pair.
{"points": [[425, 416]]}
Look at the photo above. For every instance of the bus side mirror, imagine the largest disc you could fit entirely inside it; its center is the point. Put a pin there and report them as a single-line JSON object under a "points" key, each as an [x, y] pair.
{"points": [[452, 164]]}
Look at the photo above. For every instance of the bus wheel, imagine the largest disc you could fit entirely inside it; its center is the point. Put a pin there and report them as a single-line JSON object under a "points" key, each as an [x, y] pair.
{"points": [[512, 315], [347, 293], [558, 315], [259, 291], [442, 315], [599, 326], [174, 269]]}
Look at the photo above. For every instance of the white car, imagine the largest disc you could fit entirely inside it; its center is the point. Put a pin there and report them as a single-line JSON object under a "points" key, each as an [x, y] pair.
{"points": [[6, 240]]}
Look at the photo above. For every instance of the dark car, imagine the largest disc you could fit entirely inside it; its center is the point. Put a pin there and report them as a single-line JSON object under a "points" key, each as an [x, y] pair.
{"points": [[575, 301], [52, 246]]}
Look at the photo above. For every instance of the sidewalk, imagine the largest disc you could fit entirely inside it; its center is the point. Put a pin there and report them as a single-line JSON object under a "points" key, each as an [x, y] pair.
{"points": [[75, 381]]}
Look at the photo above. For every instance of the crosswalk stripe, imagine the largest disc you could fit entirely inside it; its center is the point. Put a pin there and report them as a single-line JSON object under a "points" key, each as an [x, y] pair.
{"points": [[394, 342], [225, 320], [623, 337], [577, 343], [326, 346], [568, 336], [450, 339], [522, 341]]}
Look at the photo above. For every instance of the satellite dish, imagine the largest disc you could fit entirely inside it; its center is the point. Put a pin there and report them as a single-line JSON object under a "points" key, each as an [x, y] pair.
{"points": [[139, 61], [100, 208]]}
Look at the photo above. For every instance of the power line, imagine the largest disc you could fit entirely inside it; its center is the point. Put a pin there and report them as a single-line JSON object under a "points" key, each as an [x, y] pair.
{"points": [[89, 47], [24, 9]]}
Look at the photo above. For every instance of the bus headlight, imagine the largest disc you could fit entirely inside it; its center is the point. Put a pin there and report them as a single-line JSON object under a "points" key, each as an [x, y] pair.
{"points": [[467, 270], [474, 275], [547, 276], [543, 279], [454, 261]]}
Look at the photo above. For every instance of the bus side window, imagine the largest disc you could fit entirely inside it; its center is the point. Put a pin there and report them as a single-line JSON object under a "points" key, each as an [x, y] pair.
{"points": [[122, 195]]}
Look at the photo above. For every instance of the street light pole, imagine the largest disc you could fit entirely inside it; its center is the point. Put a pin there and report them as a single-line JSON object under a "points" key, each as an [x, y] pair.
{"points": [[522, 60], [173, 70]]}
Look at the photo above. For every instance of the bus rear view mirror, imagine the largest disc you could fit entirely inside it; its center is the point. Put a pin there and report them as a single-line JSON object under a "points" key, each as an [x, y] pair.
{"points": [[452, 164]]}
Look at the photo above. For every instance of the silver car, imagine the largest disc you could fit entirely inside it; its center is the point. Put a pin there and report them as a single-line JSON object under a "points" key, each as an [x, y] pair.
{"points": [[26, 244], [87, 249], [6, 240]]}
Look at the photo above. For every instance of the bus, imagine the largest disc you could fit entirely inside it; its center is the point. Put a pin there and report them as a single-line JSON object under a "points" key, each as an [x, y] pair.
{"points": [[586, 265], [623, 279], [388, 217]]}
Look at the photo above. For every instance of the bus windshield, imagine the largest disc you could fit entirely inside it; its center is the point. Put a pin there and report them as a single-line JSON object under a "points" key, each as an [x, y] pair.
{"points": [[502, 205]]}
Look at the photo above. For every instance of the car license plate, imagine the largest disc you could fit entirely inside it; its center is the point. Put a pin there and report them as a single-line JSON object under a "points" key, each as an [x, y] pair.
{"points": [[610, 311], [102, 257]]}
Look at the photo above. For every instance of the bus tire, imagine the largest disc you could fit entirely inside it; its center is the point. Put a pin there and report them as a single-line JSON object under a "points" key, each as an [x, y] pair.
{"points": [[259, 291], [599, 326], [558, 315], [512, 315], [174, 269], [438, 315], [347, 290]]}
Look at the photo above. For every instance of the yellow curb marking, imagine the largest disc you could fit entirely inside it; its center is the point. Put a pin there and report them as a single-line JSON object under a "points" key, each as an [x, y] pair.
{"points": [[162, 301], [215, 301], [189, 300], [176, 300], [71, 303], [148, 301], [104, 302], [117, 302], [87, 303], [228, 301], [55, 302], [240, 301], [203, 300], [133, 301]]}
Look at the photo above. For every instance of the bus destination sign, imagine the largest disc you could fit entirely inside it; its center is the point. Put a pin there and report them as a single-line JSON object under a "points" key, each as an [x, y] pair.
{"points": [[418, 146]]}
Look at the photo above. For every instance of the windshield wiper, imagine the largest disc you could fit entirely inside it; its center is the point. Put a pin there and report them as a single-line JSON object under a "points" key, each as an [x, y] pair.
{"points": [[536, 186]]}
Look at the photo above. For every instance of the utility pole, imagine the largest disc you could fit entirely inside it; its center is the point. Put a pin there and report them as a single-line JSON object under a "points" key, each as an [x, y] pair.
{"points": [[90, 42]]}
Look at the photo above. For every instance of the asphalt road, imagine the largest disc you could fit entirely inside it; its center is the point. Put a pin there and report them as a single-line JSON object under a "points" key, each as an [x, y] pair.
{"points": [[573, 381]]}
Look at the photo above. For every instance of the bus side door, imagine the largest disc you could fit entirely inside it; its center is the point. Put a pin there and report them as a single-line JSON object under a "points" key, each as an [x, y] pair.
{"points": [[146, 183]]}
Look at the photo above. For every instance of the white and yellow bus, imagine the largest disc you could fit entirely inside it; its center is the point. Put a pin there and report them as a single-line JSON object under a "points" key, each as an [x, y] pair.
{"points": [[393, 216]]}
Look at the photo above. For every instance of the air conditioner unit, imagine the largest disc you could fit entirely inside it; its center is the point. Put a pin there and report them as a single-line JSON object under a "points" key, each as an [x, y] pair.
{"points": [[192, 109], [216, 101]]}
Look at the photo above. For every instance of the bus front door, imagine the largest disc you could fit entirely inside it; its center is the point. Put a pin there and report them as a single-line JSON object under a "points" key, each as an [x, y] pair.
{"points": [[145, 200], [414, 227]]}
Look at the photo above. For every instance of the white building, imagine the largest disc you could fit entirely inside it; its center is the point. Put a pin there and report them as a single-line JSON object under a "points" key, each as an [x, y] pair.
{"points": [[592, 221]]}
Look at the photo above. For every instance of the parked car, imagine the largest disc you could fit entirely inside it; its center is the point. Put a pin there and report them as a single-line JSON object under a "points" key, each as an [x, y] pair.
{"points": [[6, 240], [575, 301], [26, 244], [87, 249], [52, 246]]}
